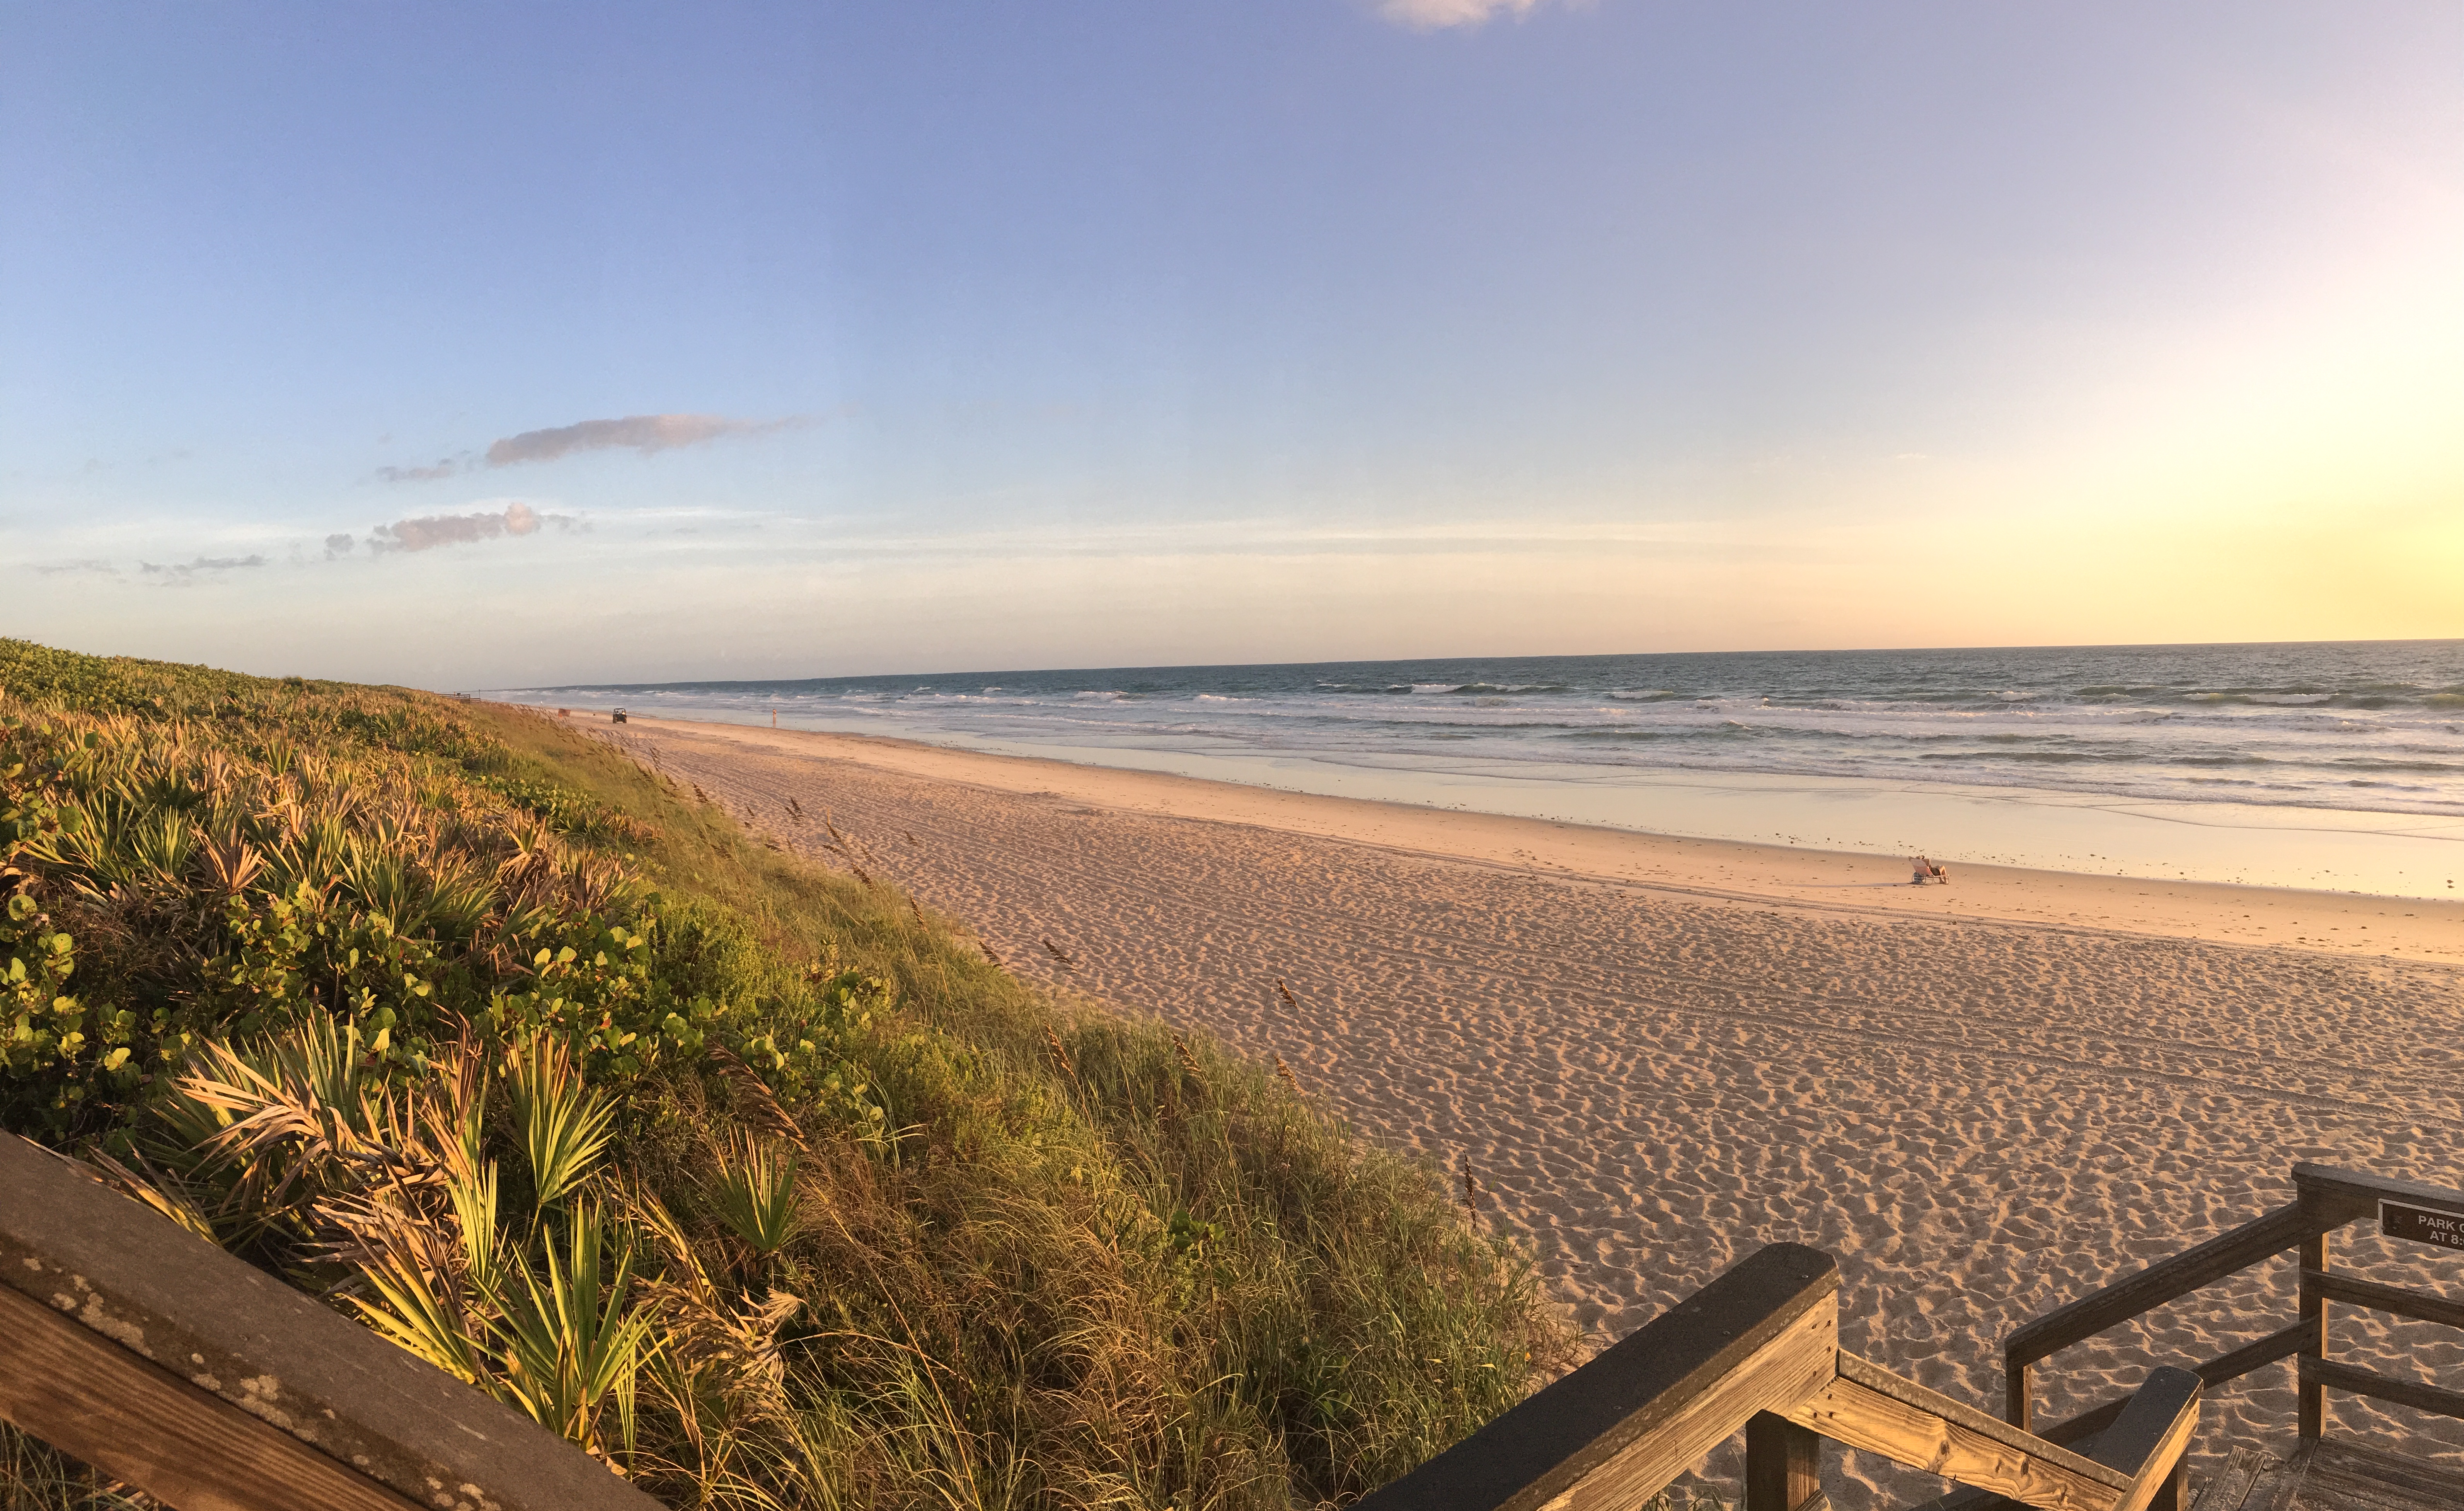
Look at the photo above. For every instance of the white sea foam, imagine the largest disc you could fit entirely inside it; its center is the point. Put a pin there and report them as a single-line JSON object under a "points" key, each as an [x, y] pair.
{"points": [[2359, 726]]}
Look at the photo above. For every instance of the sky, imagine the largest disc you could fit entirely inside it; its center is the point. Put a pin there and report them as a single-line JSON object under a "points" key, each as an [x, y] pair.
{"points": [[484, 346]]}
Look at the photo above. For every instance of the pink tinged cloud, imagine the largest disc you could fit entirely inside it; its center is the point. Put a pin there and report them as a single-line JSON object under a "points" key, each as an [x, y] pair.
{"points": [[447, 530], [646, 433]]}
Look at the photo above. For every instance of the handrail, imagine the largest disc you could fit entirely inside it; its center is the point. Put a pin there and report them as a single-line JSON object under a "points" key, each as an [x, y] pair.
{"points": [[2326, 1198], [1758, 1349], [175, 1366], [2167, 1279], [1611, 1433]]}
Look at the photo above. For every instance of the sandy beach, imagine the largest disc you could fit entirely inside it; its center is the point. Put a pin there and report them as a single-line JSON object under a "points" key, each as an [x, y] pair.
{"points": [[1654, 1055]]}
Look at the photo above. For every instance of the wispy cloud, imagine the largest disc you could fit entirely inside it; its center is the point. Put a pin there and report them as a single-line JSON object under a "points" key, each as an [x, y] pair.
{"points": [[646, 433], [445, 466], [89, 565], [1432, 15], [184, 574], [430, 531]]}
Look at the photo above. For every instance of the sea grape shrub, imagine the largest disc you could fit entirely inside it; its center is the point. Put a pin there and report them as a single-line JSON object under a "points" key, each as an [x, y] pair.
{"points": [[218, 858], [48, 1030]]}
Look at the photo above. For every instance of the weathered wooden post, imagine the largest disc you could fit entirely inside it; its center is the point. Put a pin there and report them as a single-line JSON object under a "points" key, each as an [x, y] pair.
{"points": [[2314, 1250], [1783, 1465]]}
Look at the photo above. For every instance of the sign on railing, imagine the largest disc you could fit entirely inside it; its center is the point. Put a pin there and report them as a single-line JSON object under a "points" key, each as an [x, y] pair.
{"points": [[2421, 1224]]}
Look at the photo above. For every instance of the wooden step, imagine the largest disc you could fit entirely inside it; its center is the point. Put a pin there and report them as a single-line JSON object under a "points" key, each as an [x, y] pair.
{"points": [[2334, 1475]]}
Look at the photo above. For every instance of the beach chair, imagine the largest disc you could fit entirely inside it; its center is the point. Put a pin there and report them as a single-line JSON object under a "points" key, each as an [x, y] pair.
{"points": [[1928, 871]]}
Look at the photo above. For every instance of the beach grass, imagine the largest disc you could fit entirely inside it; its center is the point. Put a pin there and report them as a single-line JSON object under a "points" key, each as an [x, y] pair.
{"points": [[866, 1220]]}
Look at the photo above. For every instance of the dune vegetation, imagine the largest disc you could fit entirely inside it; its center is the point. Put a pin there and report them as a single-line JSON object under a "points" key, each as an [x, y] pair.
{"points": [[755, 1179]]}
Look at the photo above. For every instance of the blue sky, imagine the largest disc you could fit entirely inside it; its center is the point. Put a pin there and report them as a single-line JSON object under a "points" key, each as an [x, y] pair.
{"points": [[490, 346]]}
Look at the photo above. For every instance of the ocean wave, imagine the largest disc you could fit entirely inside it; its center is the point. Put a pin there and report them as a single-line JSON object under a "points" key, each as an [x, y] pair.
{"points": [[2193, 724]]}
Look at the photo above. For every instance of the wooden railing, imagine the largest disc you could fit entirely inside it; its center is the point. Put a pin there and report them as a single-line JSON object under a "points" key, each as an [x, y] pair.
{"points": [[1758, 1349], [2325, 1199], [160, 1359]]}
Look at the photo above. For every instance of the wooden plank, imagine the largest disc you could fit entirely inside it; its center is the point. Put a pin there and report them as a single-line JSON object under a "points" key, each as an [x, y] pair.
{"points": [[1783, 1464], [1959, 1414], [2165, 1280], [187, 1446], [2232, 1485], [2145, 1442], [2343, 1473], [2364, 1382], [133, 1279], [2357, 1193], [2354, 1291], [1868, 1407], [1612, 1433], [2142, 1436]]}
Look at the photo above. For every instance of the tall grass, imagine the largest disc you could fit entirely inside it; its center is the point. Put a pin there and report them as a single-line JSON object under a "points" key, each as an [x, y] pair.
{"points": [[748, 1175]]}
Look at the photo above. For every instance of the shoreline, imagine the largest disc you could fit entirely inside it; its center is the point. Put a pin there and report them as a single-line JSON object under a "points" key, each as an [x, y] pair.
{"points": [[2127, 830], [1846, 882]]}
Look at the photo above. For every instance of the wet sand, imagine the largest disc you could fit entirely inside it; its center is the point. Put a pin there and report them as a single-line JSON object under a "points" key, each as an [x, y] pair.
{"points": [[1656, 1054]]}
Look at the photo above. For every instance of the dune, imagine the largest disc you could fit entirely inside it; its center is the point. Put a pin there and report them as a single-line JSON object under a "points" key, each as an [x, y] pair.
{"points": [[1652, 1054]]}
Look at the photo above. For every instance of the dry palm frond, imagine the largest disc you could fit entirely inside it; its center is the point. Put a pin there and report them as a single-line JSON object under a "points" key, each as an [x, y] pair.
{"points": [[736, 1347], [291, 1112], [163, 1192], [756, 1105], [534, 849], [232, 862]]}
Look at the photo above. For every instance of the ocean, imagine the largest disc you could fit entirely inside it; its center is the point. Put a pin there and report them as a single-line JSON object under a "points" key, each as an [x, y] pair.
{"points": [[2357, 739]]}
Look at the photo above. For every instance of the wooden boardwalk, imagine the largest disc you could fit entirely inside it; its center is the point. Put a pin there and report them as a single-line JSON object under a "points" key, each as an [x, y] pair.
{"points": [[2332, 1474]]}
